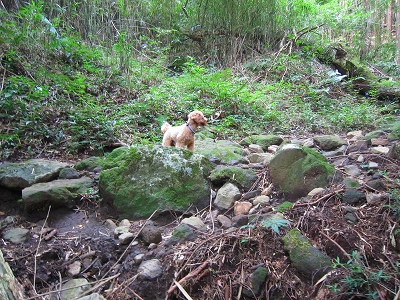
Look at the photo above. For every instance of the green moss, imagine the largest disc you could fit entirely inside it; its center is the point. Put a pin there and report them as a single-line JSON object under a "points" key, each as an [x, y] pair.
{"points": [[243, 177], [395, 134], [285, 206], [262, 140], [149, 178], [89, 163]]}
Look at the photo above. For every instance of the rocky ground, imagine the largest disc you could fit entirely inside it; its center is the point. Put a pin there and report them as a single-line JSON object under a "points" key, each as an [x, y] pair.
{"points": [[217, 257]]}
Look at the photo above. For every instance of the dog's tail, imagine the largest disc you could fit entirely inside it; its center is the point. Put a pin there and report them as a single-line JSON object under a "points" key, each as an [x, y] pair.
{"points": [[165, 127]]}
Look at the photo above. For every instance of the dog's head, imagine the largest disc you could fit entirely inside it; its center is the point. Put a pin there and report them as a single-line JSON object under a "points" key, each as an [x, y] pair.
{"points": [[197, 117]]}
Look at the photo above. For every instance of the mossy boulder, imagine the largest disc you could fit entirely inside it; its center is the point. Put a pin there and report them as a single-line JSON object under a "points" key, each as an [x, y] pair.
{"points": [[297, 170], [221, 151], [243, 178], [89, 164], [262, 140], [142, 179], [307, 259]]}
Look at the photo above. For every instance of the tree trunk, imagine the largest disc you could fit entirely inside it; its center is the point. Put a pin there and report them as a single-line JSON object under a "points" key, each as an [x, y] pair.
{"points": [[10, 289]]}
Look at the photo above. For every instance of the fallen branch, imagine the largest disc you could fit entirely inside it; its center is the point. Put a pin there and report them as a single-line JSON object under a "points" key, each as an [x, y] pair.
{"points": [[192, 274], [319, 199], [337, 245]]}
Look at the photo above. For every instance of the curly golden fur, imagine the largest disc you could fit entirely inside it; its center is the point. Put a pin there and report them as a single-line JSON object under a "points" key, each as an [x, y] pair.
{"points": [[183, 135]]}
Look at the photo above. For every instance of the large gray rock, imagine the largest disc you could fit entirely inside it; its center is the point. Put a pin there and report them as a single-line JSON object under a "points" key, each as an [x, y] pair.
{"points": [[307, 259], [22, 175], [140, 180], [57, 193], [296, 170]]}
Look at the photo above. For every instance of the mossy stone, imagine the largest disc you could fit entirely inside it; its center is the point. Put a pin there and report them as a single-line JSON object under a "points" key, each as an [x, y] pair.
{"points": [[221, 151], [296, 170], [89, 164], [243, 178], [262, 140], [143, 179], [307, 259]]}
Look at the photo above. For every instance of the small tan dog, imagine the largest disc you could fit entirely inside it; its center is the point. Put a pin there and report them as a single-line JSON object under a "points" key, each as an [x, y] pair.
{"points": [[181, 136]]}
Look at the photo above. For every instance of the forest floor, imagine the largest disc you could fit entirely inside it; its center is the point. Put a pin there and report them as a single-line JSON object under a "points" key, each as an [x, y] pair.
{"points": [[217, 264]]}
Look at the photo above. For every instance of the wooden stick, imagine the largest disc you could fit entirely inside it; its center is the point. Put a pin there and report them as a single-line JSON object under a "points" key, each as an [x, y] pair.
{"points": [[319, 199], [337, 245], [192, 274]]}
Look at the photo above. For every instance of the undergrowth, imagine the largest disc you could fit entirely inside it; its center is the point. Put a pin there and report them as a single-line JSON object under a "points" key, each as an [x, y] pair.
{"points": [[59, 93]]}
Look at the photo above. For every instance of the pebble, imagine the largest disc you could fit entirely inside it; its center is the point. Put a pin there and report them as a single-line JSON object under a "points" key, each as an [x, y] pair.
{"points": [[74, 268]]}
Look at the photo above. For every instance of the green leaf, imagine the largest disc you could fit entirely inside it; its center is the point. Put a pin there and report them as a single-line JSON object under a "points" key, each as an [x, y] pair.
{"points": [[274, 223]]}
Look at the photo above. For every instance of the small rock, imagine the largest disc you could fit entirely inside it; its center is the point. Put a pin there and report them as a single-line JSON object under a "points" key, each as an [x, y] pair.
{"points": [[257, 281], [251, 194], [227, 195], [152, 246], [151, 234], [361, 145], [373, 198], [68, 173], [351, 217], [240, 220], [380, 150], [379, 142], [150, 269], [181, 233], [272, 149], [262, 200], [357, 134], [125, 238], [74, 268], [120, 230], [16, 235], [73, 288], [376, 184], [315, 191], [94, 296], [308, 143], [353, 196], [267, 191], [109, 224], [253, 148], [138, 258], [352, 170], [259, 157], [125, 222], [373, 165], [224, 221], [242, 208], [195, 223], [329, 142]]}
